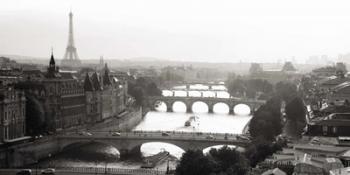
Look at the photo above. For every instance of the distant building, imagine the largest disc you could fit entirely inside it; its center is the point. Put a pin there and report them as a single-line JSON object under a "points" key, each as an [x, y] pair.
{"points": [[331, 82], [337, 124], [324, 71], [340, 92], [113, 94], [12, 114], [287, 73], [93, 98], [62, 95], [255, 69]]}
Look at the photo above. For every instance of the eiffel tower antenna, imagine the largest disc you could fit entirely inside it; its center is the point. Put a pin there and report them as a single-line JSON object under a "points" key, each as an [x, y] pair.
{"points": [[71, 56]]}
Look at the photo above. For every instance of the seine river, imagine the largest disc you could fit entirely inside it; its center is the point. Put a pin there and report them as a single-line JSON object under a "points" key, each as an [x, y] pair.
{"points": [[99, 155]]}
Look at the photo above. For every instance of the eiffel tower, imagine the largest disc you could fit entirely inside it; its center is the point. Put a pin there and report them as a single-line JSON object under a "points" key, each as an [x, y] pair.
{"points": [[71, 58]]}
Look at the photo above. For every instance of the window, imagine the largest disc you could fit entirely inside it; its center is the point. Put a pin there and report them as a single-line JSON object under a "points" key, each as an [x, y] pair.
{"points": [[334, 129], [6, 133], [325, 130]]}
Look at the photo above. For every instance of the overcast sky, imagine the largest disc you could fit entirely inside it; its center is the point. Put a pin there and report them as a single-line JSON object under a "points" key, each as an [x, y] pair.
{"points": [[203, 30]]}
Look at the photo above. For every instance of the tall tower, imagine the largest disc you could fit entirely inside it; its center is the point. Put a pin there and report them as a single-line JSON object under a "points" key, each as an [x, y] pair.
{"points": [[71, 58]]}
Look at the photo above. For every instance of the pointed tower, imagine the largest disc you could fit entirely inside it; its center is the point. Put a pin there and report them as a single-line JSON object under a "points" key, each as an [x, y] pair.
{"points": [[52, 70], [95, 82], [87, 83], [71, 58], [105, 79]]}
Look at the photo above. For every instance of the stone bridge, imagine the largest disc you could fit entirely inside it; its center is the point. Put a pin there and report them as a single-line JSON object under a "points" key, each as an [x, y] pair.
{"points": [[210, 85], [132, 141], [210, 101]]}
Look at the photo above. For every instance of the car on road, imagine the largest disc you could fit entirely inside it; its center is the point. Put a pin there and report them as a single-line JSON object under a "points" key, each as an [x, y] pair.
{"points": [[209, 137], [84, 133], [116, 134], [242, 137], [165, 134], [24, 172], [48, 171]]}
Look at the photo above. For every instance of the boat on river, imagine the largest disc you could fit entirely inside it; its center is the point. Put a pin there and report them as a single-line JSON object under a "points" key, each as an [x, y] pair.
{"points": [[191, 120]]}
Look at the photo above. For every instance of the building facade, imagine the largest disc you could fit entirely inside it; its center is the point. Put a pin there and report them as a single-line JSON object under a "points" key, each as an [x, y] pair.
{"points": [[12, 114], [61, 96], [93, 99]]}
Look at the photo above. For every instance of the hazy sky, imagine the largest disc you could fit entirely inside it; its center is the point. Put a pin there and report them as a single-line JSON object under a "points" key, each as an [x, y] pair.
{"points": [[196, 30]]}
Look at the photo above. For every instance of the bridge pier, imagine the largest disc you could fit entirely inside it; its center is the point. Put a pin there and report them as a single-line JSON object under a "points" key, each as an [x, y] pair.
{"points": [[231, 111], [210, 108], [169, 108], [189, 109]]}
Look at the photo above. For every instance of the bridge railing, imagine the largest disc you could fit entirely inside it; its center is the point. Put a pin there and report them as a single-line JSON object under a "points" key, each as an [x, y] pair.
{"points": [[168, 132], [241, 100], [106, 170], [175, 135]]}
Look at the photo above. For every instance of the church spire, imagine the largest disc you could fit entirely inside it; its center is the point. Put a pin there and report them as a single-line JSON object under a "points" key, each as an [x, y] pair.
{"points": [[87, 83], [52, 70], [52, 59], [105, 79]]}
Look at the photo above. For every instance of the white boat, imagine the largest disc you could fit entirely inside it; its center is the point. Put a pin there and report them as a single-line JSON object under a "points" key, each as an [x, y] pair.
{"points": [[191, 119]]}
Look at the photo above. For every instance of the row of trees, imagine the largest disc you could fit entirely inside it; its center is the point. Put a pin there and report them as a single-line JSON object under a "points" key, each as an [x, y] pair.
{"points": [[226, 161], [268, 122], [141, 88], [250, 88]]}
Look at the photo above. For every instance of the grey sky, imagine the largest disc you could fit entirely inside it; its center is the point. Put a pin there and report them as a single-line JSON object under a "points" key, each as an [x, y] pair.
{"points": [[203, 30]]}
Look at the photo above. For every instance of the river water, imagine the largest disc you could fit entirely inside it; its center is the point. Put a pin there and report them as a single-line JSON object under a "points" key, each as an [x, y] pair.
{"points": [[99, 155]]}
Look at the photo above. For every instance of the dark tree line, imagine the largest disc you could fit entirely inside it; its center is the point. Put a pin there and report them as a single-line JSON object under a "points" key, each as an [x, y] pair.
{"points": [[266, 122], [141, 88], [225, 161], [249, 87]]}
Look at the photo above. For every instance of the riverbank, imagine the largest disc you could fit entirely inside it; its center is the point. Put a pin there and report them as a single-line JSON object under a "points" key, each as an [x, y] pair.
{"points": [[245, 130], [126, 122]]}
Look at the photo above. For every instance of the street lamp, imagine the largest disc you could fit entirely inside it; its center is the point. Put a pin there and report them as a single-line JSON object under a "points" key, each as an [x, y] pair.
{"points": [[106, 167], [49, 160], [36, 167]]}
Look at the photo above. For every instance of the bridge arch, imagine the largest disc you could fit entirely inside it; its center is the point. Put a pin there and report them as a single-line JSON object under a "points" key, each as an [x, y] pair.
{"points": [[152, 148], [160, 106], [206, 150], [242, 109], [84, 150], [130, 143], [179, 106], [200, 107], [221, 108]]}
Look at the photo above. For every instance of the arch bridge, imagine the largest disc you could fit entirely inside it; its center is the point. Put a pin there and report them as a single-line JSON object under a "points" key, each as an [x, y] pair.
{"points": [[210, 101], [128, 142]]}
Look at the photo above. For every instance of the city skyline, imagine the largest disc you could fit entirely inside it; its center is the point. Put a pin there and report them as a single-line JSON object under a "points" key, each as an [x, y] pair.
{"points": [[183, 31]]}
